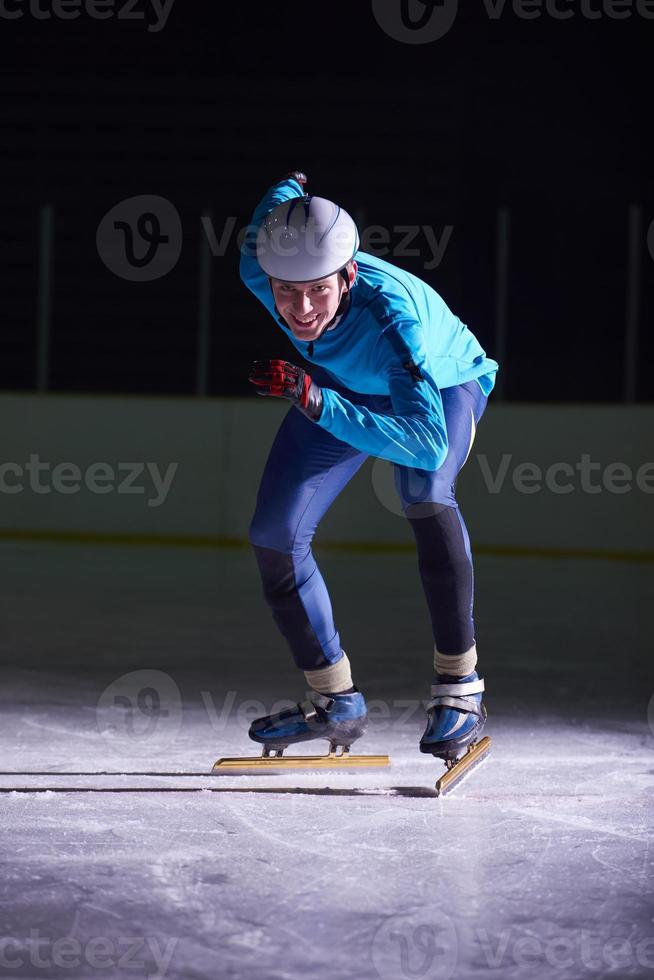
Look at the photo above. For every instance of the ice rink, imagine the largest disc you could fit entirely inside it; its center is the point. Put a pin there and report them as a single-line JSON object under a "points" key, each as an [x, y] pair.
{"points": [[151, 660]]}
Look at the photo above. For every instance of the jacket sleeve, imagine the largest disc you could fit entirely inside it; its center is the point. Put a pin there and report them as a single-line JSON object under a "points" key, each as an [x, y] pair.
{"points": [[251, 272], [415, 433]]}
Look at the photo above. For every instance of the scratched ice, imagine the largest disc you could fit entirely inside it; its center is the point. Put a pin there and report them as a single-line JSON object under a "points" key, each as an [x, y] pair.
{"points": [[137, 661]]}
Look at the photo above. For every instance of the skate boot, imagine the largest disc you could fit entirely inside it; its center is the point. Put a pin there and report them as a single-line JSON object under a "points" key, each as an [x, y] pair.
{"points": [[340, 719], [455, 721]]}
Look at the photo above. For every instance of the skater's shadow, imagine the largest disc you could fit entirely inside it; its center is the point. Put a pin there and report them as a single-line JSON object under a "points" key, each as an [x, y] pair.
{"points": [[404, 791], [53, 781]]}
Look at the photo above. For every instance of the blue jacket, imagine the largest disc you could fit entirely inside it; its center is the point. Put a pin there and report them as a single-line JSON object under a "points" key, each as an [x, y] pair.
{"points": [[393, 318]]}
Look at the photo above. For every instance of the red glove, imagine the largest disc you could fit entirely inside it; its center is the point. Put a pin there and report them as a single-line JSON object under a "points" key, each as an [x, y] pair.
{"points": [[285, 380]]}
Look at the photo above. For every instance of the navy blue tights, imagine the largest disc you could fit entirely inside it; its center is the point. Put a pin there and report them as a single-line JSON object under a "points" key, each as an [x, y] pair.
{"points": [[306, 470]]}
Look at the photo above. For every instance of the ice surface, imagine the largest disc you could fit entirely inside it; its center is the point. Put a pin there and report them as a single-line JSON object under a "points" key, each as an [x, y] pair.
{"points": [[154, 660]]}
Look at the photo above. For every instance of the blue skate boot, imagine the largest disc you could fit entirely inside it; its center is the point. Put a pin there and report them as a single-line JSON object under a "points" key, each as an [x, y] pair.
{"points": [[455, 716], [341, 719]]}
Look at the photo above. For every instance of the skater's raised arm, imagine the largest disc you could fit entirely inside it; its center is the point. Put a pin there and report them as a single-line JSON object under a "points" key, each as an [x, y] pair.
{"points": [[251, 272]]}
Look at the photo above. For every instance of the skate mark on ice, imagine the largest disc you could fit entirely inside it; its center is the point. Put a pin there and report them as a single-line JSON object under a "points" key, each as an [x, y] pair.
{"points": [[328, 873], [577, 823], [644, 872], [94, 734], [99, 908]]}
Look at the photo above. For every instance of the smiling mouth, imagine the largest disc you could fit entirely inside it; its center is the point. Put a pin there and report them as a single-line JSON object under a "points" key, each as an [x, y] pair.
{"points": [[305, 324]]}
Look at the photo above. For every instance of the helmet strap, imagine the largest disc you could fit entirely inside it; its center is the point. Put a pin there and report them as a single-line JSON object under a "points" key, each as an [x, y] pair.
{"points": [[345, 299]]}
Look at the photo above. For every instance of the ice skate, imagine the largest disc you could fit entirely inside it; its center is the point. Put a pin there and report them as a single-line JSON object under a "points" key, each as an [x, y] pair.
{"points": [[340, 720], [456, 719]]}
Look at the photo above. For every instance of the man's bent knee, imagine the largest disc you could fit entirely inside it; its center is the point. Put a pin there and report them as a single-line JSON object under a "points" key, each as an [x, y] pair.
{"points": [[277, 572]]}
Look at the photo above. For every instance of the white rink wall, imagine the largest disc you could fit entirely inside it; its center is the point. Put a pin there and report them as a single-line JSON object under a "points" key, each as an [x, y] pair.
{"points": [[539, 476]]}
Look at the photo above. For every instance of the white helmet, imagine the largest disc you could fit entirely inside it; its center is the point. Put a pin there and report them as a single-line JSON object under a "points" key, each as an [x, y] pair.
{"points": [[306, 238]]}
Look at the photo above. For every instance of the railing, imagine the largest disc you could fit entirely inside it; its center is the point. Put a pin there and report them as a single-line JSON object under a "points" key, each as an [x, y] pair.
{"points": [[504, 243]]}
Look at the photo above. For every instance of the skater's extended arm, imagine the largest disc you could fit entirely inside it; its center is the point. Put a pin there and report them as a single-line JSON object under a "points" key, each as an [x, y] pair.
{"points": [[413, 435]]}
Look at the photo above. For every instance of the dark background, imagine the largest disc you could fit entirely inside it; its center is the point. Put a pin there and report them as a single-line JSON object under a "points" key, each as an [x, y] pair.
{"points": [[545, 117]]}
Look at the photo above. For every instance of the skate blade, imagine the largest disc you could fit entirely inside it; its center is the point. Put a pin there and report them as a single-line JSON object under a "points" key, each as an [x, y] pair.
{"points": [[265, 765], [473, 757]]}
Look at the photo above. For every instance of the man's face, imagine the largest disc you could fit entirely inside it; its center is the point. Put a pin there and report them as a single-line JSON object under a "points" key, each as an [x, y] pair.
{"points": [[307, 307]]}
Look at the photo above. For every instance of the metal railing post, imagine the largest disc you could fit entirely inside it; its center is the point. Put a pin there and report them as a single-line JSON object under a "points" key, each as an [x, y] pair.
{"points": [[204, 312], [44, 297], [632, 304], [502, 244]]}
